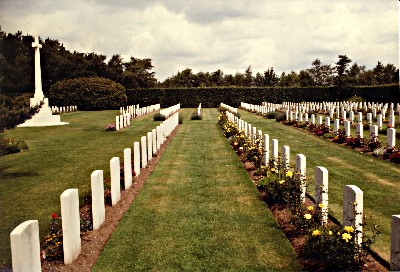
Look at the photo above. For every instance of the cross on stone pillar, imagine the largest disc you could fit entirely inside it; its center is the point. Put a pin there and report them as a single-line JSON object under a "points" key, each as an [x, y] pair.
{"points": [[39, 96]]}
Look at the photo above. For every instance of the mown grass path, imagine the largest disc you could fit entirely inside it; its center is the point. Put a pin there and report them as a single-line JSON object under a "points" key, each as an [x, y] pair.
{"points": [[378, 179], [59, 158], [199, 211]]}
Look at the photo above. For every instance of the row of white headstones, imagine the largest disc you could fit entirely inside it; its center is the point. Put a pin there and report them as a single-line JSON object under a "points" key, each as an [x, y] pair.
{"points": [[56, 109], [296, 112], [25, 245], [123, 120], [352, 214]]}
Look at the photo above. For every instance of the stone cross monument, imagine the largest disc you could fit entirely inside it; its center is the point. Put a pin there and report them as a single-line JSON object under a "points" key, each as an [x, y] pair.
{"points": [[45, 116], [39, 96]]}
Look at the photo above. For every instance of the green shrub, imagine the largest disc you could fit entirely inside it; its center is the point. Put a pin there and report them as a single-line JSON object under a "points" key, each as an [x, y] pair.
{"points": [[271, 115], [281, 116], [180, 119], [195, 116], [159, 117], [92, 93], [11, 145]]}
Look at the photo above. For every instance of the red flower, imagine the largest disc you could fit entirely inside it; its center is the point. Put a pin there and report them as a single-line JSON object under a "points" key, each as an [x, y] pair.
{"points": [[54, 215]]}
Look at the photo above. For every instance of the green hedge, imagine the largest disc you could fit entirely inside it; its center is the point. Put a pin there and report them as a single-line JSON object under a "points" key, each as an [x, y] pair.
{"points": [[212, 97]]}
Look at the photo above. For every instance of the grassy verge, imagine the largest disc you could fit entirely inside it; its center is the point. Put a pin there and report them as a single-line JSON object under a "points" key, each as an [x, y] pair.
{"points": [[198, 211], [378, 179], [59, 158]]}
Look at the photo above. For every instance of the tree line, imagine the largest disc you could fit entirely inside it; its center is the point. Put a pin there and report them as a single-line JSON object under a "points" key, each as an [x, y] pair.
{"points": [[58, 63]]}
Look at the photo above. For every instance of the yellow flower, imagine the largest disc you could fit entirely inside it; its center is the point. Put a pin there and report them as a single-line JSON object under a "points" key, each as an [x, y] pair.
{"points": [[272, 169], [307, 216], [330, 232], [281, 182], [348, 229], [310, 208], [346, 236], [316, 233], [289, 174], [321, 205]]}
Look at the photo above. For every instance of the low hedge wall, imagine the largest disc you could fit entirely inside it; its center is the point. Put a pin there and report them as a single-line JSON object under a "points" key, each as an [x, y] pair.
{"points": [[212, 97]]}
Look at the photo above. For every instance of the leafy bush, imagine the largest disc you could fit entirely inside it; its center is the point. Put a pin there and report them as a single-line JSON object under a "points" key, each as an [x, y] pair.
{"points": [[271, 115], [280, 116], [11, 145], [15, 111], [93, 93], [159, 117], [195, 116]]}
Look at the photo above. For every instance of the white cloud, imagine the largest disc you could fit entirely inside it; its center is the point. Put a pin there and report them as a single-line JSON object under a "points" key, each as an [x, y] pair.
{"points": [[210, 35]]}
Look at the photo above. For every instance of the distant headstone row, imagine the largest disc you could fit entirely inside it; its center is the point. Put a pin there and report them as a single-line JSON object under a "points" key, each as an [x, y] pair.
{"points": [[229, 108], [352, 195], [25, 245], [128, 113], [56, 109], [300, 112], [171, 110]]}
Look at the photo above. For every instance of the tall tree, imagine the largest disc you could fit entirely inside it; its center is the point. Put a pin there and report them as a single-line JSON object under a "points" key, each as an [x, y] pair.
{"points": [[137, 74], [270, 77], [322, 73], [341, 70]]}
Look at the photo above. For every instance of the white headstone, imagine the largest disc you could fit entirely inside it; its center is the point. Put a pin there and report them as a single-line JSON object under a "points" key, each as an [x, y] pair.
{"points": [[300, 173], [395, 244], [115, 173], [266, 149], [285, 158], [353, 210], [149, 146], [127, 168], [347, 128], [275, 152], [379, 121], [143, 142], [321, 193], [98, 208], [336, 123], [136, 158], [391, 138], [154, 138], [117, 122], [25, 247], [70, 224], [360, 130], [327, 122], [373, 130]]}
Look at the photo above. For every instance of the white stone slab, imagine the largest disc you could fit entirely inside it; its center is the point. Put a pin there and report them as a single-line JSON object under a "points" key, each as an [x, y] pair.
{"points": [[395, 244], [149, 146], [98, 207], [25, 247], [300, 173], [266, 149], [353, 210], [127, 168], [154, 138], [391, 138], [275, 152], [70, 224], [321, 193], [143, 143], [136, 158], [285, 158], [115, 173]]}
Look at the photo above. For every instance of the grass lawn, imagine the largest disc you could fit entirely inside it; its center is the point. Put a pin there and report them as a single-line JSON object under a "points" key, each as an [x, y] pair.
{"points": [[59, 158], [199, 211], [378, 179]]}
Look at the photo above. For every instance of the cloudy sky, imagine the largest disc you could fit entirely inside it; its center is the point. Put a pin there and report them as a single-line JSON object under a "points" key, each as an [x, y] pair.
{"points": [[209, 35]]}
